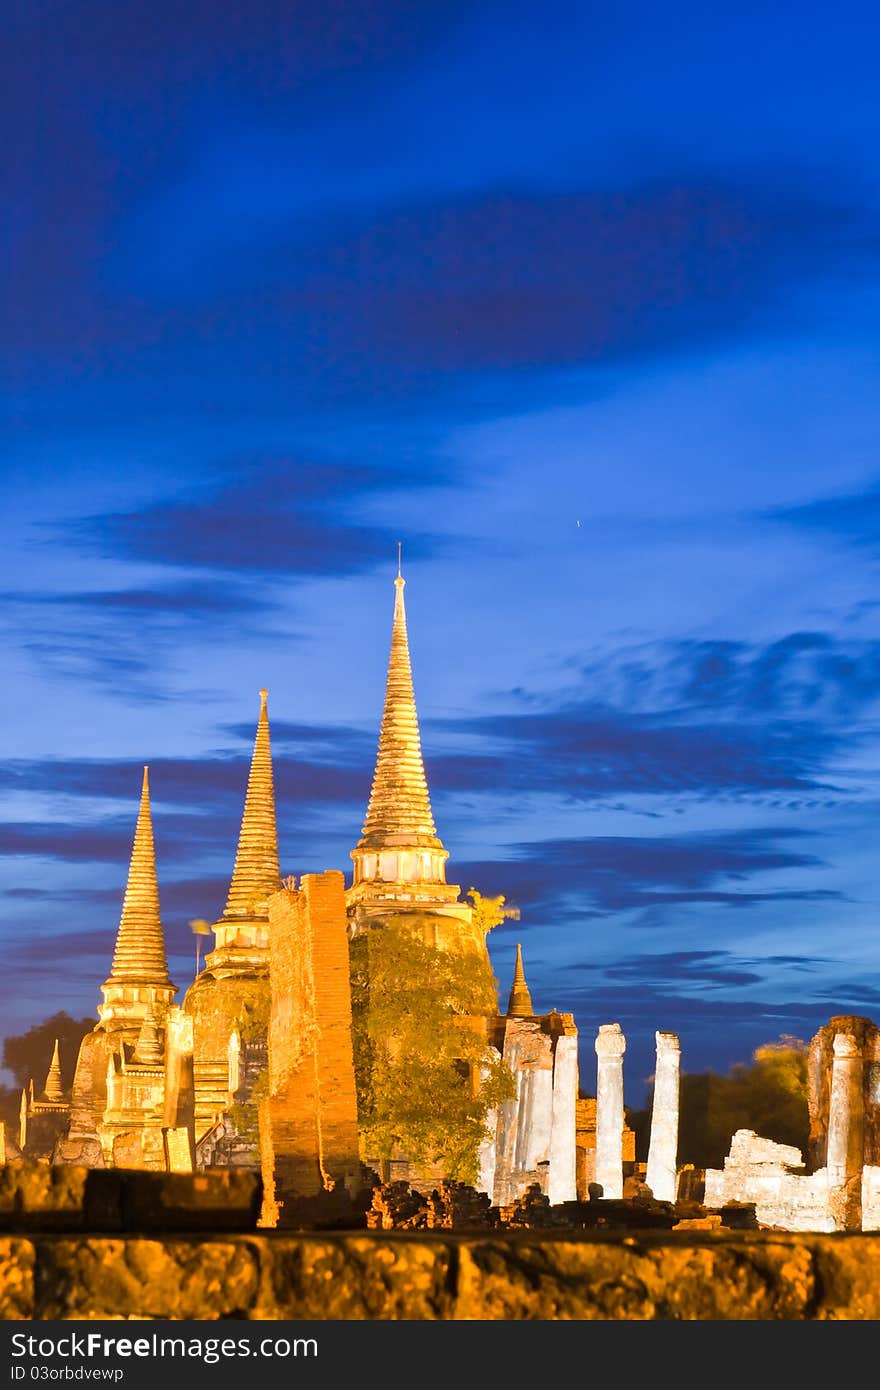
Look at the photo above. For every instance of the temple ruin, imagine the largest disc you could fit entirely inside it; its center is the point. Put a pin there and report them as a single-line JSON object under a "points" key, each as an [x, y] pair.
{"points": [[255, 1068]]}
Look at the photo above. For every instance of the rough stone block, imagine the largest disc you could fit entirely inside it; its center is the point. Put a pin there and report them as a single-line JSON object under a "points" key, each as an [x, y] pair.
{"points": [[178, 1150], [16, 1279], [79, 1152], [36, 1196], [747, 1148], [353, 1277], [138, 1278], [716, 1275]]}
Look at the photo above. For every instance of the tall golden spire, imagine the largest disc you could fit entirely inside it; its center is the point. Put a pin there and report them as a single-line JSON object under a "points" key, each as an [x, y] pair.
{"points": [[53, 1089], [400, 861], [139, 957], [256, 874], [399, 810], [519, 1005]]}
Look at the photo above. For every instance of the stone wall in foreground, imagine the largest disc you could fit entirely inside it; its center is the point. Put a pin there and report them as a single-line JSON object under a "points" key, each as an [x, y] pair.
{"points": [[372, 1275]]}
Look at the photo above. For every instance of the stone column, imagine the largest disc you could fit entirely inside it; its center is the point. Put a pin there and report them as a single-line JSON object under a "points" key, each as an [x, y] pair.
{"points": [[662, 1174], [233, 1061], [610, 1047], [562, 1178], [179, 1108], [846, 1124]]}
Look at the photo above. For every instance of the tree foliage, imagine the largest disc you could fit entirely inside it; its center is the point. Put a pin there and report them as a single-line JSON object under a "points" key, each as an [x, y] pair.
{"points": [[415, 1051], [491, 912], [27, 1055], [768, 1096]]}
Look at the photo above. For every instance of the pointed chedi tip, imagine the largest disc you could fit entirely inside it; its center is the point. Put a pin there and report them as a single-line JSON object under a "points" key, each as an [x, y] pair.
{"points": [[399, 809], [53, 1090], [519, 1005], [139, 956], [256, 874]]}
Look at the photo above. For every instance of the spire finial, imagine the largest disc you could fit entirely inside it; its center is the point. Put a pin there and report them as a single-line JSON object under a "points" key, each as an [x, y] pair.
{"points": [[399, 810], [519, 1005], [400, 579], [53, 1089], [139, 957], [256, 874]]}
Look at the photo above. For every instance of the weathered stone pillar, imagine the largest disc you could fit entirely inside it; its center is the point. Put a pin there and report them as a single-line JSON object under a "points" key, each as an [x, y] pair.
{"points": [[662, 1173], [562, 1178], [309, 1134], [233, 1061], [610, 1047], [846, 1124], [179, 1110]]}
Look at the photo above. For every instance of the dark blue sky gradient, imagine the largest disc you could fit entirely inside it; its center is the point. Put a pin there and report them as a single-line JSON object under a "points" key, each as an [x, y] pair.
{"points": [[581, 304]]}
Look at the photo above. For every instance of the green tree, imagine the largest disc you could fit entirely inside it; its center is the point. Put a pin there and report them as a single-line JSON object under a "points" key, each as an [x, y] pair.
{"points": [[416, 1050], [252, 1024], [491, 912], [768, 1096], [27, 1055]]}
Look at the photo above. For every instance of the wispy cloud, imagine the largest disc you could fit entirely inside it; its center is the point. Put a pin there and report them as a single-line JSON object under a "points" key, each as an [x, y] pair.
{"points": [[851, 517], [294, 517], [129, 636], [612, 874], [801, 675]]}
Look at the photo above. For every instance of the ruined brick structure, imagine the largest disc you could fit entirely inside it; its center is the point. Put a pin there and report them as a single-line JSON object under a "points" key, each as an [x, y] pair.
{"points": [[867, 1038], [308, 1119], [532, 1138], [585, 1146]]}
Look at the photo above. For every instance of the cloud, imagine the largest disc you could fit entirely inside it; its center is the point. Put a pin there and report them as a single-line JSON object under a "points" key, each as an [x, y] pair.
{"points": [[582, 750], [682, 967], [105, 103], [290, 517], [801, 675], [612, 874], [510, 282], [177, 838], [535, 279], [131, 635], [338, 744], [215, 782], [851, 517], [705, 717]]}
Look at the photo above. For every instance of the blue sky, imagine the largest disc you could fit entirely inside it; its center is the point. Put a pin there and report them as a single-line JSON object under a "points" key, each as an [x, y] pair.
{"points": [[580, 303]]}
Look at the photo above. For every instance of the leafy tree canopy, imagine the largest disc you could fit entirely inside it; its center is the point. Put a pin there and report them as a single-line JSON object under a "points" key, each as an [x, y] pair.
{"points": [[769, 1096], [27, 1055], [491, 912], [416, 1052]]}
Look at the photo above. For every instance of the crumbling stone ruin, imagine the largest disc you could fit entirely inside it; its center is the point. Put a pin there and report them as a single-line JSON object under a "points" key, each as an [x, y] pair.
{"points": [[842, 1190], [531, 1139]]}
